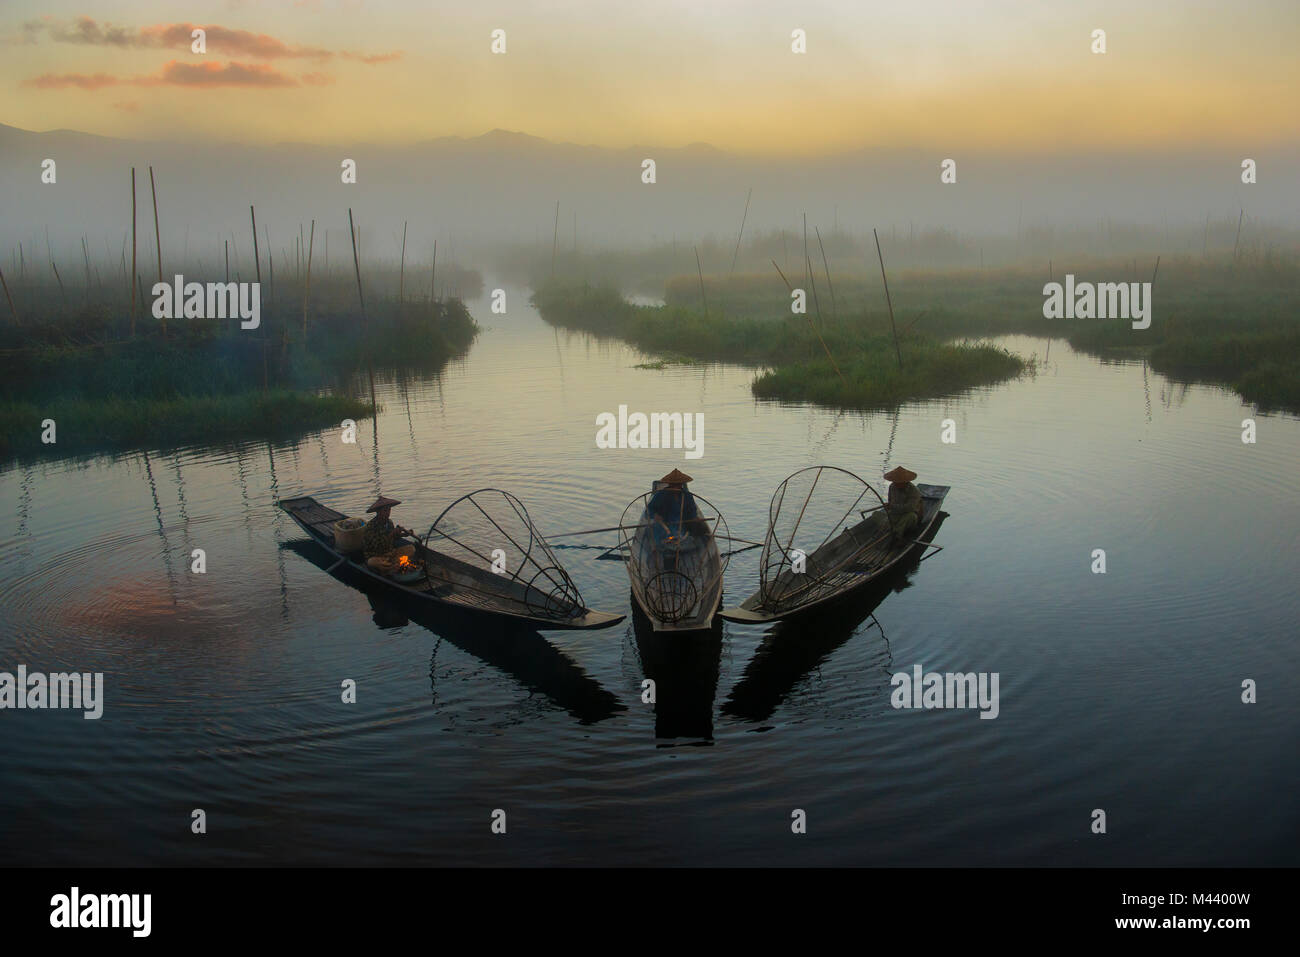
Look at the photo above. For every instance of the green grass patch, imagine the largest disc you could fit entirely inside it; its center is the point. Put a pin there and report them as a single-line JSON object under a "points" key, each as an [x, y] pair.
{"points": [[792, 349], [208, 380], [666, 362], [87, 425]]}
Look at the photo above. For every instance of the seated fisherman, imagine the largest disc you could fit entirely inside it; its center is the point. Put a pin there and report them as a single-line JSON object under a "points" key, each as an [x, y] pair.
{"points": [[903, 505], [673, 510], [380, 536]]}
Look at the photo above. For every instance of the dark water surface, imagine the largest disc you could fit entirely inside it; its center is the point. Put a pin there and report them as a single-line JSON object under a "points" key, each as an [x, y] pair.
{"points": [[1118, 691]]}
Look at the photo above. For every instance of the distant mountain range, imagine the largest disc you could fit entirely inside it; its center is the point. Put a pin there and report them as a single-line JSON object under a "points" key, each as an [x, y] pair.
{"points": [[505, 184]]}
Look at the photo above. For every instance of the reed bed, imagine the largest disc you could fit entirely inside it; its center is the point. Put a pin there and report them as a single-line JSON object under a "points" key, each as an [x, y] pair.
{"points": [[111, 379]]}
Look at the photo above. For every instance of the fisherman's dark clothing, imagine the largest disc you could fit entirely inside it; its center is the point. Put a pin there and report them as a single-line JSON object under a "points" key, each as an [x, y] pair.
{"points": [[678, 511], [904, 508], [379, 536]]}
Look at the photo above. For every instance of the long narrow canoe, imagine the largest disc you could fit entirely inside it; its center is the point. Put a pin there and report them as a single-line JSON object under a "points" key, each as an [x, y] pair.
{"points": [[676, 573], [857, 556], [459, 584]]}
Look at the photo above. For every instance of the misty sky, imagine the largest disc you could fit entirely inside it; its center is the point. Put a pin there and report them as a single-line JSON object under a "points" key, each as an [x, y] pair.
{"points": [[949, 75]]}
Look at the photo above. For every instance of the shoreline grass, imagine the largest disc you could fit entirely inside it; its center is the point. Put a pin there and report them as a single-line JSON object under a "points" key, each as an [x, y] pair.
{"points": [[115, 424]]}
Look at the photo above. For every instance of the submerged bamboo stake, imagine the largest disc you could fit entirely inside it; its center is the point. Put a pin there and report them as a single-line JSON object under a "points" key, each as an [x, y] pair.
{"points": [[806, 260], [370, 366], [356, 263], [133, 246], [743, 217], [9, 297], [257, 260], [433, 278], [825, 347], [401, 273], [812, 282], [888, 301], [1240, 216], [306, 293], [227, 260], [835, 312], [700, 271], [157, 235], [555, 236]]}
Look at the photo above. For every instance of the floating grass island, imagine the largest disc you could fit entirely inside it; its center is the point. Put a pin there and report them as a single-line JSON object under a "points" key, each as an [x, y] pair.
{"points": [[1227, 321], [861, 372], [108, 390]]}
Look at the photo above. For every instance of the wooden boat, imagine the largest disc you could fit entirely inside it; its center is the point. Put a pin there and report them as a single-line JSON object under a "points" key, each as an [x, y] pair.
{"points": [[675, 570], [534, 589], [841, 565]]}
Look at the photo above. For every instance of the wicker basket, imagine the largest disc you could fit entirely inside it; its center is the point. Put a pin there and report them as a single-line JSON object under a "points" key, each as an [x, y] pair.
{"points": [[348, 534]]}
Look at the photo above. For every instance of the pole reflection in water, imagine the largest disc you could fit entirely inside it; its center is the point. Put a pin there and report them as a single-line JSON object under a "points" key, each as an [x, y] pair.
{"points": [[520, 652]]}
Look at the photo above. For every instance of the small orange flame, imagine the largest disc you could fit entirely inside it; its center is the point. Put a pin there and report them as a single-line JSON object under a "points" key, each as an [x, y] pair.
{"points": [[403, 561]]}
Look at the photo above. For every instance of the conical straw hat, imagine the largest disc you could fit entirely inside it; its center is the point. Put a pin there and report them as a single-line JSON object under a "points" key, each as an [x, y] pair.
{"points": [[900, 474]]}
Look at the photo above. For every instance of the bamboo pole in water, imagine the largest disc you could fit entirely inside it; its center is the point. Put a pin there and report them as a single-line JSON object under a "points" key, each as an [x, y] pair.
{"points": [[888, 301], [740, 234], [9, 297], [257, 260], [370, 366], [433, 278], [306, 293], [835, 312], [700, 271], [401, 273], [356, 263], [825, 347], [158, 240], [62, 291], [133, 248], [156, 235], [555, 236], [812, 281], [806, 260]]}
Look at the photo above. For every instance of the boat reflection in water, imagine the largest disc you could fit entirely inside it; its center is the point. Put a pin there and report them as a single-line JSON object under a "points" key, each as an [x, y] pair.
{"points": [[515, 649], [685, 671], [791, 650]]}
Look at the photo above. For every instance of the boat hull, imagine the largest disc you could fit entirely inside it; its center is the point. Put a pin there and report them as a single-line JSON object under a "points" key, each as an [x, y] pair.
{"points": [[850, 581], [451, 583]]}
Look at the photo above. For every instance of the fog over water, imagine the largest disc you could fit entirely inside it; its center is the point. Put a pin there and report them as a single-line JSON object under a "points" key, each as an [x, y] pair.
{"points": [[503, 187]]}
